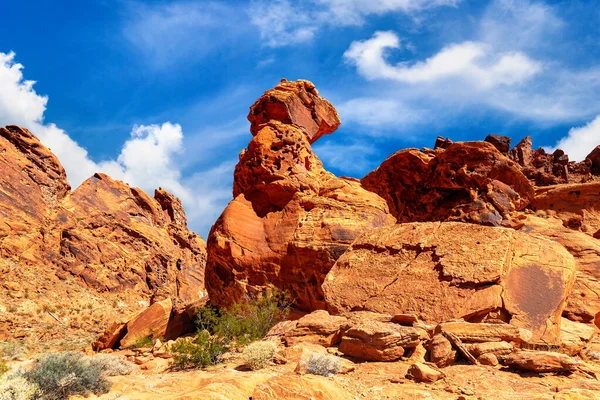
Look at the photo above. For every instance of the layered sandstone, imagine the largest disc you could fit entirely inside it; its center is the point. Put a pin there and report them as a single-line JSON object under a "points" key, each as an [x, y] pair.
{"points": [[116, 243], [290, 219], [442, 271]]}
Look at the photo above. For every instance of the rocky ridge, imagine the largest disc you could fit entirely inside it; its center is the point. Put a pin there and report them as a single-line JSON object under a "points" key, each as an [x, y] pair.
{"points": [[103, 245]]}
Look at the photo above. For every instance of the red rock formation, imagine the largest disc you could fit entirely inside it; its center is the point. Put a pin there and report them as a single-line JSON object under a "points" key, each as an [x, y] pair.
{"points": [[295, 103], [470, 182], [290, 219], [443, 271], [108, 237]]}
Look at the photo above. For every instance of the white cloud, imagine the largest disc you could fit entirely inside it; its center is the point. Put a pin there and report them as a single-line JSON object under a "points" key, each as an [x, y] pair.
{"points": [[471, 62], [380, 113], [580, 141], [285, 22], [151, 158]]}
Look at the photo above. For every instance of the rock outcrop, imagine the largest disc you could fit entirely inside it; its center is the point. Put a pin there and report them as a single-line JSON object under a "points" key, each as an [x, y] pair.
{"points": [[109, 238], [476, 272], [465, 181], [290, 220]]}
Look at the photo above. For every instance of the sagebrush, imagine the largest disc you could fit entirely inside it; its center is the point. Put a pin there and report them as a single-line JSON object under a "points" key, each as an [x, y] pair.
{"points": [[61, 375], [323, 364], [259, 355], [14, 386]]}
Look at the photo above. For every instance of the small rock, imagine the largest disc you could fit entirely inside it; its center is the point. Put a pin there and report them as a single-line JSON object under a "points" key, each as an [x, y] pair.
{"points": [[421, 372], [488, 359]]}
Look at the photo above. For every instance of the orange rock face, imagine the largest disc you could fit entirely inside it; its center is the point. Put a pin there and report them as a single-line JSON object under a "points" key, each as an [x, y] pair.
{"points": [[295, 103], [105, 235], [443, 271], [290, 220], [468, 182]]}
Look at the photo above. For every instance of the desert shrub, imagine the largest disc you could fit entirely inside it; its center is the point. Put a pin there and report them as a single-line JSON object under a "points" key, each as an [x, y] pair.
{"points": [[143, 341], [3, 368], [14, 386], [259, 355], [10, 351], [113, 365], [246, 321], [60, 375], [200, 351], [323, 364]]}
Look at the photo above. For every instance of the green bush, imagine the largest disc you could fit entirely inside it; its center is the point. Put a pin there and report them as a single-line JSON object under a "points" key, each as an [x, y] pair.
{"points": [[247, 321], [14, 386], [200, 351], [60, 375], [143, 341], [259, 355]]}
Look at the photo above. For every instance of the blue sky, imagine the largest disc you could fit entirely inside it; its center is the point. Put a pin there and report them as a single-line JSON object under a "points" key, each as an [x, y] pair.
{"points": [[156, 92]]}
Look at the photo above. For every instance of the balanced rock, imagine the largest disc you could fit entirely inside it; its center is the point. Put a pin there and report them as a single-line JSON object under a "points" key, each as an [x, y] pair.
{"points": [[468, 182], [290, 220], [295, 103], [443, 271]]}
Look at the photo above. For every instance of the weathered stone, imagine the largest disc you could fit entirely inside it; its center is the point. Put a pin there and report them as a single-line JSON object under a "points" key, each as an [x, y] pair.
{"points": [[496, 348], [290, 219], [379, 341], [111, 338], [408, 268], [488, 359], [540, 361], [421, 372], [295, 103], [469, 182], [502, 143], [151, 322], [318, 327], [594, 158], [574, 336], [441, 352]]}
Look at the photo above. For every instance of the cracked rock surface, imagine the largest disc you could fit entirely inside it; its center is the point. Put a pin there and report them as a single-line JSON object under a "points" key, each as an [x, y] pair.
{"points": [[441, 271]]}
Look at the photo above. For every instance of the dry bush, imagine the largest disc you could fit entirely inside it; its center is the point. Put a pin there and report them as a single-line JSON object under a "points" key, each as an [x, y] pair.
{"points": [[113, 365], [259, 355], [14, 386], [323, 364]]}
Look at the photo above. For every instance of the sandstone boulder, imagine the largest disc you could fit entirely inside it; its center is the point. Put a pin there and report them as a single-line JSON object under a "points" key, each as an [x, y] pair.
{"points": [[441, 352], [152, 322], [372, 340], [444, 271], [502, 143], [574, 336], [469, 182], [290, 220], [594, 158], [318, 327], [540, 361], [422, 372]]}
